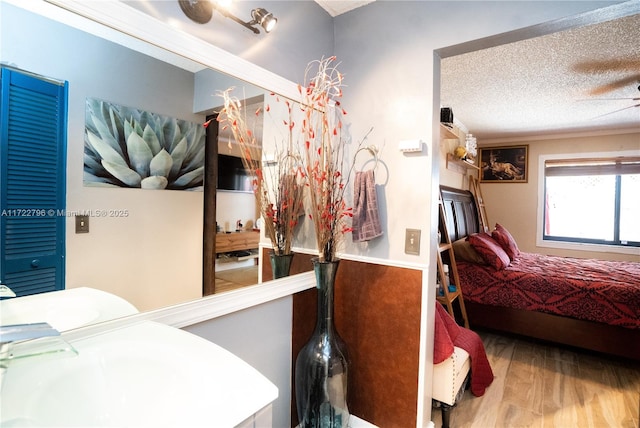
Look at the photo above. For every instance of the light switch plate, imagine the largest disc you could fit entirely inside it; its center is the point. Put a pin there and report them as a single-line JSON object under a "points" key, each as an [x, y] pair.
{"points": [[410, 146], [412, 242], [82, 224]]}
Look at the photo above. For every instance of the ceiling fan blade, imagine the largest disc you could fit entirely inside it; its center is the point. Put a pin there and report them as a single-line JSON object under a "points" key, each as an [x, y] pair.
{"points": [[617, 111], [617, 84], [600, 67], [612, 99]]}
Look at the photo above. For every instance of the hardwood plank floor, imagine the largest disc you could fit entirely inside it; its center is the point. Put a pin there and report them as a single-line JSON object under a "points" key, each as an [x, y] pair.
{"points": [[232, 279], [541, 385]]}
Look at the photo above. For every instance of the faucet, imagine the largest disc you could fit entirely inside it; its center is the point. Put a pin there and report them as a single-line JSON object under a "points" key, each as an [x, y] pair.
{"points": [[16, 346], [18, 332], [6, 291]]}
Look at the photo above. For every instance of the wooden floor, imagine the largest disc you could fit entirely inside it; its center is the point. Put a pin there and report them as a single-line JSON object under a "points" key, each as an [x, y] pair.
{"points": [[541, 385], [232, 279]]}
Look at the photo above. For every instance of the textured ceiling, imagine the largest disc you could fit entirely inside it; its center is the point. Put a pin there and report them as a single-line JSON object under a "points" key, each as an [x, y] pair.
{"points": [[583, 79]]}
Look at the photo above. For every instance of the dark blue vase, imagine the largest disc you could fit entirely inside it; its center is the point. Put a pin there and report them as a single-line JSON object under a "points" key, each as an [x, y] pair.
{"points": [[322, 364]]}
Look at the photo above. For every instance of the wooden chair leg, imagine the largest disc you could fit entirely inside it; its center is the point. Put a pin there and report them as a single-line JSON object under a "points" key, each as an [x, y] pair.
{"points": [[446, 413]]}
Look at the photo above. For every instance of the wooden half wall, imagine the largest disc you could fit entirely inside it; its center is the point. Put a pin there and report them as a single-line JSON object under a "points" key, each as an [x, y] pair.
{"points": [[377, 313]]}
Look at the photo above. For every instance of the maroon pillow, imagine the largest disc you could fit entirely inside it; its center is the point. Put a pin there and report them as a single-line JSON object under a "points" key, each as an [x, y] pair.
{"points": [[489, 250], [506, 241]]}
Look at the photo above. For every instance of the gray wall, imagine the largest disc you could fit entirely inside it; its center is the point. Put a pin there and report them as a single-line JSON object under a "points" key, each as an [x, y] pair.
{"points": [[261, 336], [304, 33]]}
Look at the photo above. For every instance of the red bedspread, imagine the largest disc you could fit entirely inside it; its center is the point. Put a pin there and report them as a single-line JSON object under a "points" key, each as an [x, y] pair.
{"points": [[595, 290]]}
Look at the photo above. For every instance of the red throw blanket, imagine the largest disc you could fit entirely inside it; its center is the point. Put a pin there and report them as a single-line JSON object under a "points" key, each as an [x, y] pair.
{"points": [[449, 334]]}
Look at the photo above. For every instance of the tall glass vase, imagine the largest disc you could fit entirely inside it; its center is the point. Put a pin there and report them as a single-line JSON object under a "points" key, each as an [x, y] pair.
{"points": [[322, 364], [280, 264]]}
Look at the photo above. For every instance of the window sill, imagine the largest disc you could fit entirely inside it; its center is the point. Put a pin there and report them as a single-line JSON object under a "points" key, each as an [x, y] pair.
{"points": [[578, 246]]}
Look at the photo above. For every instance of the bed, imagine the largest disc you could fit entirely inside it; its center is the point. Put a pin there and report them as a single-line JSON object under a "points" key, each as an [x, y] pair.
{"points": [[586, 303]]}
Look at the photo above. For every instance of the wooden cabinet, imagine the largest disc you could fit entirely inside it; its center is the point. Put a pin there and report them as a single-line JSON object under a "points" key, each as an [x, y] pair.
{"points": [[237, 241]]}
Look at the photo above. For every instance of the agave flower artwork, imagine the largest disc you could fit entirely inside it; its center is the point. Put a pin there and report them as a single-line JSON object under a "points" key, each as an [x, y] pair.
{"points": [[127, 147], [277, 184]]}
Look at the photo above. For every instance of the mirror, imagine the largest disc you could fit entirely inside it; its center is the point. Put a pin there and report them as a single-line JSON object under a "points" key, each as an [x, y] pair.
{"points": [[152, 256]]}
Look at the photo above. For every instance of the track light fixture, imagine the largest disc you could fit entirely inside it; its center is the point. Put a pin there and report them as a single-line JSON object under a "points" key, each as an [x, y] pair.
{"points": [[201, 12], [264, 18]]}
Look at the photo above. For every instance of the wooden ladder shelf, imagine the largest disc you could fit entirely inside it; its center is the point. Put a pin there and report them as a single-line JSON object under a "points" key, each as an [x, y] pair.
{"points": [[474, 186], [445, 246]]}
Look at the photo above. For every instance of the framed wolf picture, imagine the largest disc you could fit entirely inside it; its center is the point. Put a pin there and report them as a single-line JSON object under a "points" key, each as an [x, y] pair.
{"points": [[507, 164]]}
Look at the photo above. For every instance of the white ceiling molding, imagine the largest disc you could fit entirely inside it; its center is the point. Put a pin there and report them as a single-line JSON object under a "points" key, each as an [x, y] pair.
{"points": [[335, 8]]}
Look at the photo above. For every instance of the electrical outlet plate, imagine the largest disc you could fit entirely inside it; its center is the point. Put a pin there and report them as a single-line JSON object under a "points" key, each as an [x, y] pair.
{"points": [[412, 242], [82, 224]]}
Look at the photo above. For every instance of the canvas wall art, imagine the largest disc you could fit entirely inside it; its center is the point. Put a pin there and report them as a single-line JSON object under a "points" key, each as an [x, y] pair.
{"points": [[130, 147], [504, 164]]}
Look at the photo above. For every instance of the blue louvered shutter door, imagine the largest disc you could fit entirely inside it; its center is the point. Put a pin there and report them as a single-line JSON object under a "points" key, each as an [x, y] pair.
{"points": [[33, 116]]}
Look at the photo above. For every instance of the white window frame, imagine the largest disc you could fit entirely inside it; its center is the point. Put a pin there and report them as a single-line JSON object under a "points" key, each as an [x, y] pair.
{"points": [[580, 246]]}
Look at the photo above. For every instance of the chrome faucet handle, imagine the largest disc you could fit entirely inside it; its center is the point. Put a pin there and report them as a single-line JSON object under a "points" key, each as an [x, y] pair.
{"points": [[6, 291], [16, 346], [18, 332]]}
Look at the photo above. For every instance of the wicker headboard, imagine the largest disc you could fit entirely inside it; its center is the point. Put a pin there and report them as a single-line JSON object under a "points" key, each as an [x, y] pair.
{"points": [[460, 212]]}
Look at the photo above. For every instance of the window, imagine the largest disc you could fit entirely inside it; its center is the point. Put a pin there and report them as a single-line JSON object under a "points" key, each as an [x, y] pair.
{"points": [[592, 200]]}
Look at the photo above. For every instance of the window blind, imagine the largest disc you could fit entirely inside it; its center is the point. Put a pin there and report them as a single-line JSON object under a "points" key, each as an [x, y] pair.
{"points": [[593, 166]]}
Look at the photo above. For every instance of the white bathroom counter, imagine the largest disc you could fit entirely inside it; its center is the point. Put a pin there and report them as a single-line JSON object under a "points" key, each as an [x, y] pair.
{"points": [[143, 375], [65, 309]]}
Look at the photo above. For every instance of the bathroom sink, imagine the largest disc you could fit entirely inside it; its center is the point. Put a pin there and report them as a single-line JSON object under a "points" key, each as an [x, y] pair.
{"points": [[144, 375], [65, 309]]}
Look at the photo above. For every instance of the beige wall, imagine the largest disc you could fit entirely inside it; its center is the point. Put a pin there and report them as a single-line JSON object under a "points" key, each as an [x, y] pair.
{"points": [[515, 205]]}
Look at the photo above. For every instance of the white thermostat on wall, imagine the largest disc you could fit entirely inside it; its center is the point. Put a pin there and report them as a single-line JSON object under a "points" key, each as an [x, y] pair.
{"points": [[410, 145]]}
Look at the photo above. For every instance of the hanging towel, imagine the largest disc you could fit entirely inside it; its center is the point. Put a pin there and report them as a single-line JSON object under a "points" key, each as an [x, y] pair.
{"points": [[366, 219]]}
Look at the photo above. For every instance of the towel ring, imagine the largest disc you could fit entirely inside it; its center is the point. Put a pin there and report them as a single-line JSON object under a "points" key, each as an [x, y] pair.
{"points": [[373, 150], [296, 157]]}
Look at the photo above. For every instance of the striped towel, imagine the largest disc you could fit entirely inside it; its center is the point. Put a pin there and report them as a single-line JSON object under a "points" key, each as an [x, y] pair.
{"points": [[366, 219]]}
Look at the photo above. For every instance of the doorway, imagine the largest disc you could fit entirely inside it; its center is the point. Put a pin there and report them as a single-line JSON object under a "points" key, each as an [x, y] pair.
{"points": [[209, 219], [33, 141]]}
